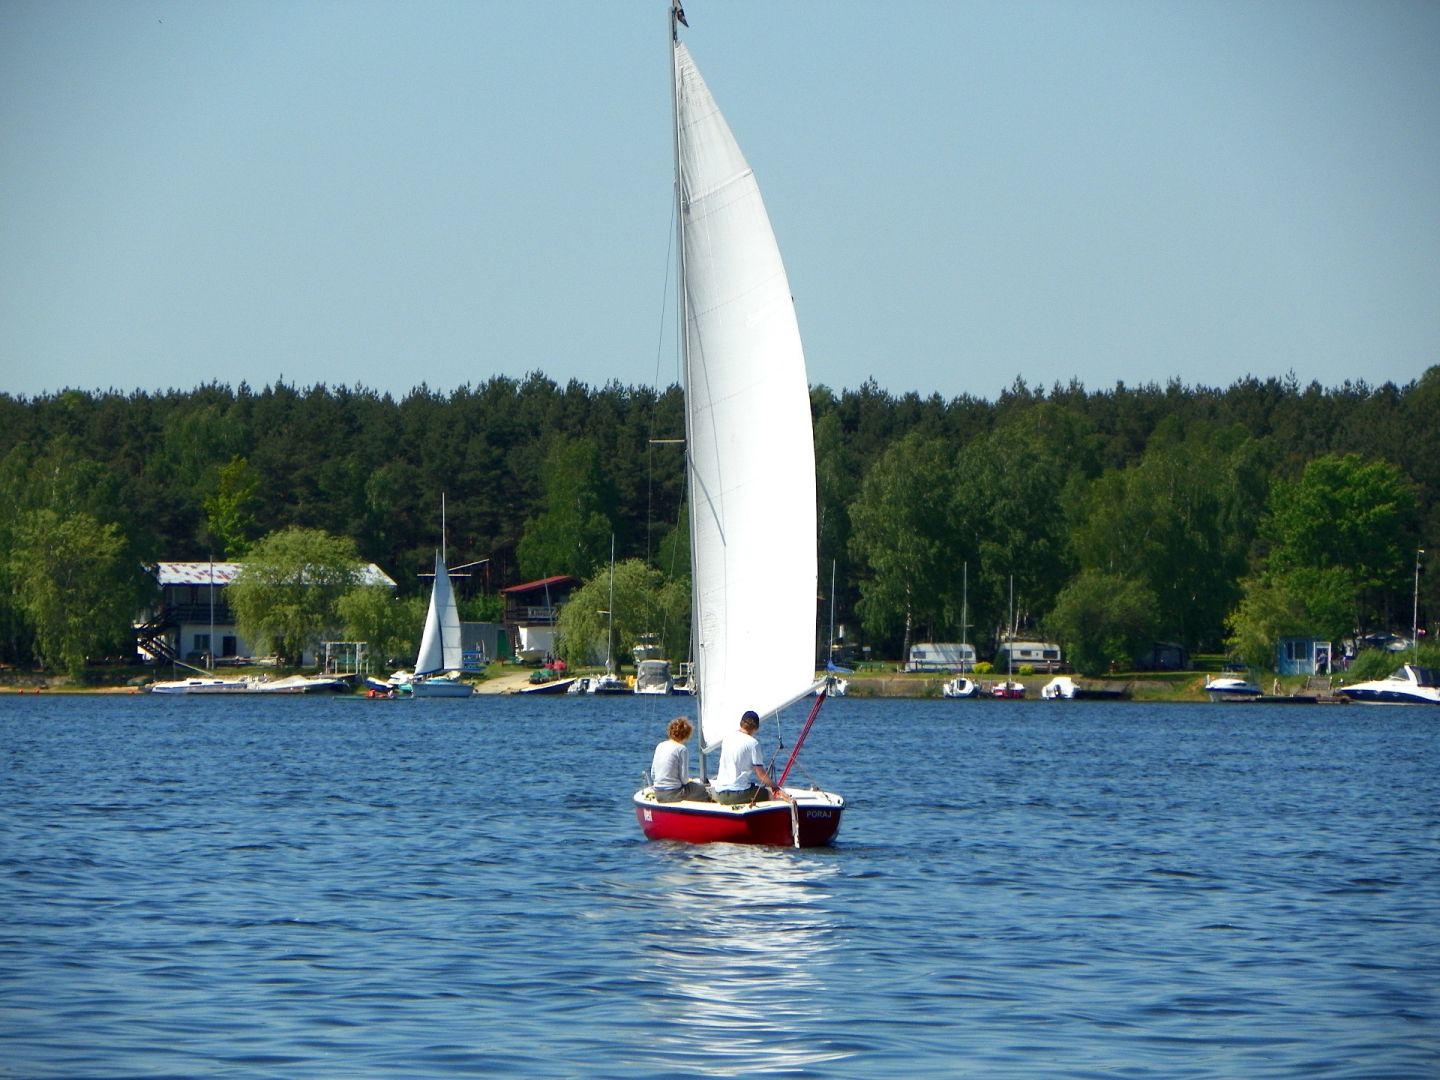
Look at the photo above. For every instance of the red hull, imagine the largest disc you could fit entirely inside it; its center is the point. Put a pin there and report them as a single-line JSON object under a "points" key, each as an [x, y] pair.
{"points": [[764, 823]]}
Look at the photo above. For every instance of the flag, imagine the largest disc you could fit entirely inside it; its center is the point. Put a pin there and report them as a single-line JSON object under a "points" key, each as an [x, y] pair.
{"points": [[680, 14]]}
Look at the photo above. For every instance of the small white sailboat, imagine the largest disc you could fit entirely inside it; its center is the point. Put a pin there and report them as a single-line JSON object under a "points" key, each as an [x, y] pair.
{"points": [[610, 682], [438, 664], [834, 685], [960, 687], [750, 462], [1010, 689]]}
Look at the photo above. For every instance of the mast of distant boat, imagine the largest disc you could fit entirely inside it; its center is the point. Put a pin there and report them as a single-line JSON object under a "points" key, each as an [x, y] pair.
{"points": [[1415, 613], [964, 612], [830, 655], [1010, 647]]}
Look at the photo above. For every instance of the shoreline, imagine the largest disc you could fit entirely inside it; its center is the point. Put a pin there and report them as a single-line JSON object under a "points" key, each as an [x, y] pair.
{"points": [[1141, 687]]}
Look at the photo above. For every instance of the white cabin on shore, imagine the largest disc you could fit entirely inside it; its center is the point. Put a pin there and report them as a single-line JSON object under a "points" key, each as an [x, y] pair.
{"points": [[193, 621]]}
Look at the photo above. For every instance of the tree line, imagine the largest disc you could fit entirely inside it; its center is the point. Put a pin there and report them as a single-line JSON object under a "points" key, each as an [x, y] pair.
{"points": [[1210, 517]]}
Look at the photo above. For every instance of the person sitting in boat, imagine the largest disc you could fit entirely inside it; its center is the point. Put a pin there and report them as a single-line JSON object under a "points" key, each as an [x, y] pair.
{"points": [[670, 769], [741, 777]]}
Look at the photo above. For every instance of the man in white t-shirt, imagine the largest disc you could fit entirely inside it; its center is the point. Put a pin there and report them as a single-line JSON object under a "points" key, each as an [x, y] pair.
{"points": [[741, 776]]}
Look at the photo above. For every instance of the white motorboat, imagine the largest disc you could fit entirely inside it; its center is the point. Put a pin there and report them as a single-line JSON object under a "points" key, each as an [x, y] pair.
{"points": [[1231, 688], [1060, 688], [1406, 685], [239, 684], [1064, 688], [250, 684], [653, 677], [609, 683]]}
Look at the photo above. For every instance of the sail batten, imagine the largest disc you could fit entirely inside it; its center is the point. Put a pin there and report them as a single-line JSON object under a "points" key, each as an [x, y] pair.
{"points": [[751, 456]]}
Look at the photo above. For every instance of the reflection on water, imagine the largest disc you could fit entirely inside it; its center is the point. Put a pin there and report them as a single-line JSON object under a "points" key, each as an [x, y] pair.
{"points": [[741, 946]]}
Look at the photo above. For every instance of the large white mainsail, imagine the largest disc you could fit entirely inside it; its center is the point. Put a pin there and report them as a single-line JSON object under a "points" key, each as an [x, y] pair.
{"points": [[751, 450], [440, 640]]}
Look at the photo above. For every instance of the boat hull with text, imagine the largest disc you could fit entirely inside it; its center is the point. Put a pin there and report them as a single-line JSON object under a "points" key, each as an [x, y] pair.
{"points": [[815, 818]]}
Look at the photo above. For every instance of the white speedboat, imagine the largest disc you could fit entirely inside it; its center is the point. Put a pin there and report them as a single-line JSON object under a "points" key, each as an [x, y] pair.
{"points": [[610, 683], [250, 684], [207, 685], [1407, 685], [1064, 688], [652, 676], [1231, 688]]}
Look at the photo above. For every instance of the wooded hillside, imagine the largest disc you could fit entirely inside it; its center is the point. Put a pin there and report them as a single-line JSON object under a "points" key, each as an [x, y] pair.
{"points": [[1197, 500]]}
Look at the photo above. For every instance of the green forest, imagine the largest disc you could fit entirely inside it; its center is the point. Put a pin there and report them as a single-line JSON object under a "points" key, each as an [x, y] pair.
{"points": [[1213, 518]]}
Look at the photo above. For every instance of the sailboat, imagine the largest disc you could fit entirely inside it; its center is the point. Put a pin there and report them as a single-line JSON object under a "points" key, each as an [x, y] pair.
{"points": [[1010, 689], [961, 686], [750, 473], [834, 685], [610, 682], [439, 660]]}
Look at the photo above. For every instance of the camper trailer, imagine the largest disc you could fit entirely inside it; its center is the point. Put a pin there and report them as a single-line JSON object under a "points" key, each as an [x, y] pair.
{"points": [[1040, 655], [941, 656]]}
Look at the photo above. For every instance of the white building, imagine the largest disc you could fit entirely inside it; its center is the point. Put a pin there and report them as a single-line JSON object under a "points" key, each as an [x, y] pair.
{"points": [[193, 621]]}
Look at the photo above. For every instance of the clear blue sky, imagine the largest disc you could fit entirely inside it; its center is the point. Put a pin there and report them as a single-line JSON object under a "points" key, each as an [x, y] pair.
{"points": [[384, 193]]}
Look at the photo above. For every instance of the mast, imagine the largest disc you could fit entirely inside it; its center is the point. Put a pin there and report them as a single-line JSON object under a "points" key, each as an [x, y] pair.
{"points": [[682, 324], [964, 611], [830, 653], [610, 630], [1010, 635]]}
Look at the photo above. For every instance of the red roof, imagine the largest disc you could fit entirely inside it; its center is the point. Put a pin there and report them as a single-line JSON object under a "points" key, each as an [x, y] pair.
{"points": [[543, 583]]}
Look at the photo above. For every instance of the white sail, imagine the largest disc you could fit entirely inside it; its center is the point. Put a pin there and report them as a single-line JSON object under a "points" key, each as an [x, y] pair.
{"points": [[751, 449], [440, 641]]}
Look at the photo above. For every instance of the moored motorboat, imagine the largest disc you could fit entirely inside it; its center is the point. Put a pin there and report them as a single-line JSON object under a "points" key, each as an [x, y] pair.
{"points": [[238, 684], [1408, 684], [302, 684], [652, 676], [1231, 688], [557, 685], [1064, 688], [609, 683], [251, 684]]}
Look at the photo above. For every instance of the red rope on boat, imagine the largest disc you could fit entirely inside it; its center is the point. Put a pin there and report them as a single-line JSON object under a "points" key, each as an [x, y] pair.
{"points": [[814, 712]]}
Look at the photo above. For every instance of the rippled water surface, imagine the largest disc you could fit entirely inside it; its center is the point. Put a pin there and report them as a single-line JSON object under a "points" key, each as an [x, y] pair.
{"points": [[341, 887]]}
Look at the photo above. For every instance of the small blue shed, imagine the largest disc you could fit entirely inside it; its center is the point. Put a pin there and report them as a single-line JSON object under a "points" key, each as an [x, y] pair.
{"points": [[1302, 656]]}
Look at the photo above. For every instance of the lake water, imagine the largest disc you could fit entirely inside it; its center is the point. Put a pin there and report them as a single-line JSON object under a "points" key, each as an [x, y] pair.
{"points": [[340, 887]]}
